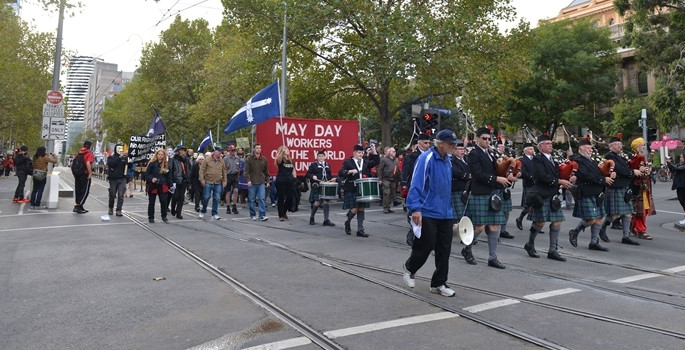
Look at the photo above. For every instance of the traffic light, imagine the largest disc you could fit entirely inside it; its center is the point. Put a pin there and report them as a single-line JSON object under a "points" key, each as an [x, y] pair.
{"points": [[431, 121], [651, 134]]}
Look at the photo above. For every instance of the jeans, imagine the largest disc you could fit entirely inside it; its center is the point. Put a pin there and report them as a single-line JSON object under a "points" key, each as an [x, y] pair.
{"points": [[37, 193], [215, 191], [260, 192], [117, 187]]}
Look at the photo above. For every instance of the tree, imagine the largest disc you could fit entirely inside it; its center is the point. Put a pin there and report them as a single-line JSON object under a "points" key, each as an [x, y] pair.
{"points": [[573, 72], [372, 58], [656, 29], [626, 113], [88, 135]]}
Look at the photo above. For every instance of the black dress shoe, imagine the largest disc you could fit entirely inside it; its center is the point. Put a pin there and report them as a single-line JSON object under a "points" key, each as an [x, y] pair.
{"points": [[328, 223], [596, 246], [165, 219], [519, 223], [554, 255], [616, 225], [573, 237], [468, 256], [627, 240], [362, 234], [603, 234], [179, 216], [311, 221], [495, 263], [173, 213], [505, 234], [410, 238], [348, 229], [530, 249], [152, 221]]}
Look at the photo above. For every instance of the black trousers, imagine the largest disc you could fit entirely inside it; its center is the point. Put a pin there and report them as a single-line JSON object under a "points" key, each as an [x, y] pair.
{"points": [[151, 204], [681, 196], [436, 234], [19, 192], [81, 189], [117, 187], [177, 198], [284, 191]]}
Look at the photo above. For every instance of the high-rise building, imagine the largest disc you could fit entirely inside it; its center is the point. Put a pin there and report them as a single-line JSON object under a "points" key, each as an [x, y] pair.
{"points": [[79, 73], [104, 83]]}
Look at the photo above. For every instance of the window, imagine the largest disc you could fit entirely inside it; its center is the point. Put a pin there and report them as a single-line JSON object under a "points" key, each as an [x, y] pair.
{"points": [[611, 21], [642, 83]]}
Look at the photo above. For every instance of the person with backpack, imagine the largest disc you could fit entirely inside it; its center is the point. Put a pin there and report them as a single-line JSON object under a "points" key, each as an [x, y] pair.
{"points": [[81, 168], [22, 167]]}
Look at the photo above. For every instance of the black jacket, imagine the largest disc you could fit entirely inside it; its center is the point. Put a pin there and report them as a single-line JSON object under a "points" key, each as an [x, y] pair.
{"points": [[179, 174], [624, 173], [349, 164], [588, 177], [116, 166], [408, 167], [154, 170], [527, 171], [460, 175], [318, 170], [483, 171], [22, 164], [546, 175], [678, 175]]}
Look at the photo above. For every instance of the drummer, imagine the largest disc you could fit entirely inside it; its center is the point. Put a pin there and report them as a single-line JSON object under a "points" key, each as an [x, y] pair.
{"points": [[355, 168], [319, 171]]}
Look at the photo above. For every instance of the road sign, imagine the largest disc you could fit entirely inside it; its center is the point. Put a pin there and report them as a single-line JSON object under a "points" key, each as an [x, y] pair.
{"points": [[53, 111], [54, 97], [54, 122]]}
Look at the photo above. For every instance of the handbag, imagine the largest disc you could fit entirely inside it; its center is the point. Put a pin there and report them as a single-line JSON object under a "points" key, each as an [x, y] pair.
{"points": [[495, 203], [555, 203], [39, 175], [534, 200]]}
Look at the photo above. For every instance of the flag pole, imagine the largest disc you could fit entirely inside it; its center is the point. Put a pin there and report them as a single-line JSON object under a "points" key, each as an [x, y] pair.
{"points": [[283, 71]]}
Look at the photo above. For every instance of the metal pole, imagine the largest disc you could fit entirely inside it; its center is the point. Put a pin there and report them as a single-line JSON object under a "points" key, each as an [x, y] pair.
{"points": [[57, 62], [643, 117], [283, 67]]}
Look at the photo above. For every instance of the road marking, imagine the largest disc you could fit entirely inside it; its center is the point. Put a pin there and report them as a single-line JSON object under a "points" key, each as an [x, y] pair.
{"points": [[550, 294], [389, 324], [283, 344], [671, 212], [636, 278], [63, 226], [491, 305], [676, 269]]}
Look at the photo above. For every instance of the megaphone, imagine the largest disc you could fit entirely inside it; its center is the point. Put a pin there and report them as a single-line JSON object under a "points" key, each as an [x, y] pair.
{"points": [[464, 229]]}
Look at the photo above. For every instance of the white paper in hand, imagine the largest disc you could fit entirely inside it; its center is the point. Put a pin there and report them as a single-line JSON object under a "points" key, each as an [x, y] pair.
{"points": [[416, 228]]}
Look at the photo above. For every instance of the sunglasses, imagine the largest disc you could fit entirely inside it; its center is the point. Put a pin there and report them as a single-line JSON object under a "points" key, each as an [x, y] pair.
{"points": [[485, 138]]}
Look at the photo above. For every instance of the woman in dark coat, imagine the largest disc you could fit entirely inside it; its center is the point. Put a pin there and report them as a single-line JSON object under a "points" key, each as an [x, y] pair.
{"points": [[157, 177]]}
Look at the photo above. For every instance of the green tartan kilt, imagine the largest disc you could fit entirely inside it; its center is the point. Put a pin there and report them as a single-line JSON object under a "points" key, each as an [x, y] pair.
{"points": [[351, 201], [457, 205], [587, 209], [507, 204], [524, 195], [479, 212], [545, 214], [614, 204]]}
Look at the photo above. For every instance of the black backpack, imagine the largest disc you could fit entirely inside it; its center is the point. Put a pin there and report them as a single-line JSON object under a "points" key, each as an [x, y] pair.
{"points": [[78, 165]]}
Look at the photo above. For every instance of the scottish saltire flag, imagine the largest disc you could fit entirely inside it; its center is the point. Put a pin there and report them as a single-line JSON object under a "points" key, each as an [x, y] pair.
{"points": [[207, 141], [265, 105], [157, 126]]}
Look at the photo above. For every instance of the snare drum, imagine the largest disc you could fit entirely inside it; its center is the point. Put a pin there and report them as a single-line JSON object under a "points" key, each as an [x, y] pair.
{"points": [[328, 190], [367, 189]]}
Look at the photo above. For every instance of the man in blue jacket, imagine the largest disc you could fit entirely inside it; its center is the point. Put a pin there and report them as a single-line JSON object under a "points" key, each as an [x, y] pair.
{"points": [[431, 208]]}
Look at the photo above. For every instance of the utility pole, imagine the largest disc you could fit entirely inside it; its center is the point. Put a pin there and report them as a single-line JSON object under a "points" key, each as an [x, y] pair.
{"points": [[58, 60]]}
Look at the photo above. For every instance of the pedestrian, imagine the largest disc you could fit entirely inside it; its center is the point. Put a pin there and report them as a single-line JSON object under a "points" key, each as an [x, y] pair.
{"points": [[617, 202], [643, 201], [213, 180], [40, 172], [548, 208], [679, 181], [257, 177], [242, 183], [22, 168], [195, 181], [354, 168], [116, 163], [130, 172], [83, 162], [528, 181], [320, 171], [285, 180], [504, 192], [422, 145], [431, 209], [179, 166], [232, 162], [461, 174], [484, 205], [388, 172], [158, 180]]}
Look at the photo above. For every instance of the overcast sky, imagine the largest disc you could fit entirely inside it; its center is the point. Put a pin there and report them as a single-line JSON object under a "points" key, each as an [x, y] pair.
{"points": [[115, 30]]}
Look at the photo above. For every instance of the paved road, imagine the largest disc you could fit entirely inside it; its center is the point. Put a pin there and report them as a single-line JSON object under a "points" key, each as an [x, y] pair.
{"points": [[70, 281]]}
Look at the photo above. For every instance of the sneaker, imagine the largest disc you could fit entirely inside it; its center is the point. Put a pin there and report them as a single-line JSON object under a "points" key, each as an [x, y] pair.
{"points": [[110, 211], [24, 200], [408, 277], [273, 205], [15, 200], [202, 215], [443, 290], [253, 218], [682, 222], [235, 210], [216, 217], [228, 210], [263, 218]]}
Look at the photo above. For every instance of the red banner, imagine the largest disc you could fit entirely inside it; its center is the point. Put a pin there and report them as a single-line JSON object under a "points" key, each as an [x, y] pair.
{"points": [[305, 137]]}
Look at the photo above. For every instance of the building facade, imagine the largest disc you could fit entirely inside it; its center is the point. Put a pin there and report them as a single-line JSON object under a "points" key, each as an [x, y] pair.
{"points": [[79, 73]]}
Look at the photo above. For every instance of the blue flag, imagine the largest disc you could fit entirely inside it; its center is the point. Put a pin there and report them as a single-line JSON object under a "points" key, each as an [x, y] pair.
{"points": [[157, 126], [207, 141], [263, 106]]}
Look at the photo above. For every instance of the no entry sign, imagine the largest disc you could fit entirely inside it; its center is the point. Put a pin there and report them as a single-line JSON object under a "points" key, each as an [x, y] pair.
{"points": [[54, 97]]}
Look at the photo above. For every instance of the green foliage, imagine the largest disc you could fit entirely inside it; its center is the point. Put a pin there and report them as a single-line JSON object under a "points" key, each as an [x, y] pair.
{"points": [[573, 70], [75, 147], [626, 113], [25, 63]]}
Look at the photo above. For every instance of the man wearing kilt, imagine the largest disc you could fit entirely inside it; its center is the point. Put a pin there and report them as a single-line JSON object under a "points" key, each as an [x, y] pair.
{"points": [[483, 167], [616, 203], [589, 206], [460, 177], [528, 180], [547, 182], [319, 171], [352, 169]]}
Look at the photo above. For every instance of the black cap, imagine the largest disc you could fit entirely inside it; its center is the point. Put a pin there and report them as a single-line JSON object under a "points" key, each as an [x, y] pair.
{"points": [[614, 139], [180, 148], [87, 144], [527, 144], [459, 143], [424, 137], [543, 137], [358, 148], [321, 152], [584, 142], [482, 130]]}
